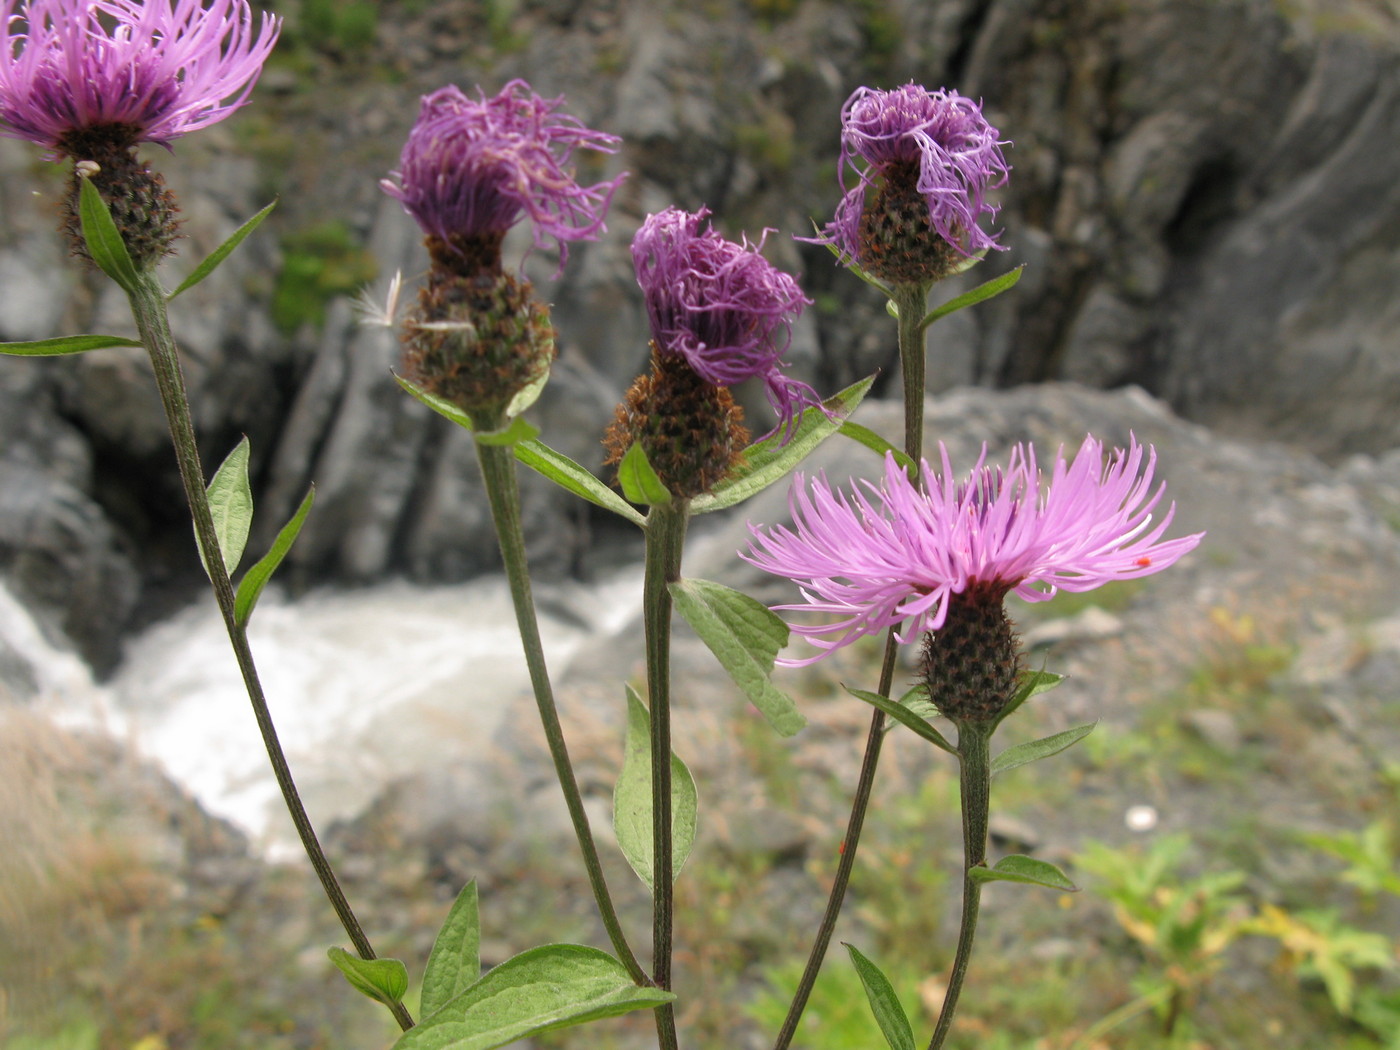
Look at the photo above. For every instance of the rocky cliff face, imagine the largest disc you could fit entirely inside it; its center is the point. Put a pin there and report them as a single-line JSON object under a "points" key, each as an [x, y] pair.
{"points": [[1204, 197]]}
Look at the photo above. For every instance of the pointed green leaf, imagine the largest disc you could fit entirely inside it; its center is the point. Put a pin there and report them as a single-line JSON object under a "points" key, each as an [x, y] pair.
{"points": [[639, 479], [1033, 683], [519, 429], [250, 588], [455, 962], [219, 254], [383, 980], [231, 505], [771, 459], [982, 292], [884, 1004], [745, 636], [570, 475], [441, 406], [850, 264], [1033, 750], [66, 344], [904, 716], [1018, 868], [104, 240], [632, 806], [873, 441], [544, 988]]}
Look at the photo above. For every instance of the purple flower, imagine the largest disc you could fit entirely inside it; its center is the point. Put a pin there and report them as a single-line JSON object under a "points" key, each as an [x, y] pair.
{"points": [[720, 305], [900, 555], [471, 168], [149, 72], [938, 142]]}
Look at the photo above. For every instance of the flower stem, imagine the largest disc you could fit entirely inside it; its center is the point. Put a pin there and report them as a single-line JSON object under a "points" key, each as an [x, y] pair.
{"points": [[974, 753], [909, 301], [665, 542], [503, 492], [153, 324]]}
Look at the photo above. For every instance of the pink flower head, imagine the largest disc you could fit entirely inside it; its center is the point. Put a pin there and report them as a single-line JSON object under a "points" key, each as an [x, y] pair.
{"points": [[472, 167], [897, 556], [940, 134], [150, 71], [720, 305]]}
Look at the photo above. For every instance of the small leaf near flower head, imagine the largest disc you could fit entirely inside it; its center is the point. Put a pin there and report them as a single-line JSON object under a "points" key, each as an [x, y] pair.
{"points": [[219, 254], [104, 240], [573, 477], [981, 293], [639, 480], [383, 980], [904, 716], [250, 588], [1018, 868], [1034, 750]]}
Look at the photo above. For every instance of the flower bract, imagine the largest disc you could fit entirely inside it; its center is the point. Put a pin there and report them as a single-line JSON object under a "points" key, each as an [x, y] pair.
{"points": [[898, 553], [132, 71], [720, 305], [471, 168]]}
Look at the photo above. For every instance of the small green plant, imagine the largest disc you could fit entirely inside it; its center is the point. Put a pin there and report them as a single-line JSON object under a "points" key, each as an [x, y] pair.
{"points": [[319, 263], [345, 26]]}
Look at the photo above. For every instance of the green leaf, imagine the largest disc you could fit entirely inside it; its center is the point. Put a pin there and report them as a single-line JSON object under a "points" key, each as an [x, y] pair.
{"points": [[639, 480], [632, 805], [884, 1004], [520, 429], [455, 962], [577, 479], [770, 460], [527, 396], [745, 636], [66, 344], [873, 441], [383, 980], [850, 264], [1033, 683], [250, 588], [104, 240], [550, 987], [982, 292], [219, 254], [904, 716], [441, 406], [231, 504], [1018, 868], [1034, 750]]}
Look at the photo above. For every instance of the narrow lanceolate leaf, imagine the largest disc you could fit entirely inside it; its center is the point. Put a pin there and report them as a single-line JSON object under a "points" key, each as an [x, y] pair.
{"points": [[65, 344], [873, 441], [231, 504], [632, 808], [455, 962], [1033, 750], [219, 254], [518, 430], [772, 459], [250, 588], [639, 480], [383, 980], [441, 406], [884, 1004], [1018, 868], [745, 636], [572, 476], [104, 240], [536, 991], [982, 292], [905, 717], [1033, 683]]}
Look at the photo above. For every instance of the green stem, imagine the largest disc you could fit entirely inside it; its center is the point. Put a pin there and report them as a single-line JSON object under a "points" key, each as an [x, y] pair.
{"points": [[153, 324], [974, 752], [665, 541], [502, 490], [909, 301]]}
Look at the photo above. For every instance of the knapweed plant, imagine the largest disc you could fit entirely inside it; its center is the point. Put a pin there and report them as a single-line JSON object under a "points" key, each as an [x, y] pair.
{"points": [[921, 555]]}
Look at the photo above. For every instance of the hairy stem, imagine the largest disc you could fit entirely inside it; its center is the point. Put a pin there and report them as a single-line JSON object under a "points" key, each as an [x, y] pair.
{"points": [[502, 489], [974, 752], [666, 527], [153, 324]]}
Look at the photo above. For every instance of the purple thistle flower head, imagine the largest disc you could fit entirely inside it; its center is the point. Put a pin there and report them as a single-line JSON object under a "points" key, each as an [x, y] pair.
{"points": [[720, 305], [133, 71], [472, 167], [897, 554], [938, 143]]}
